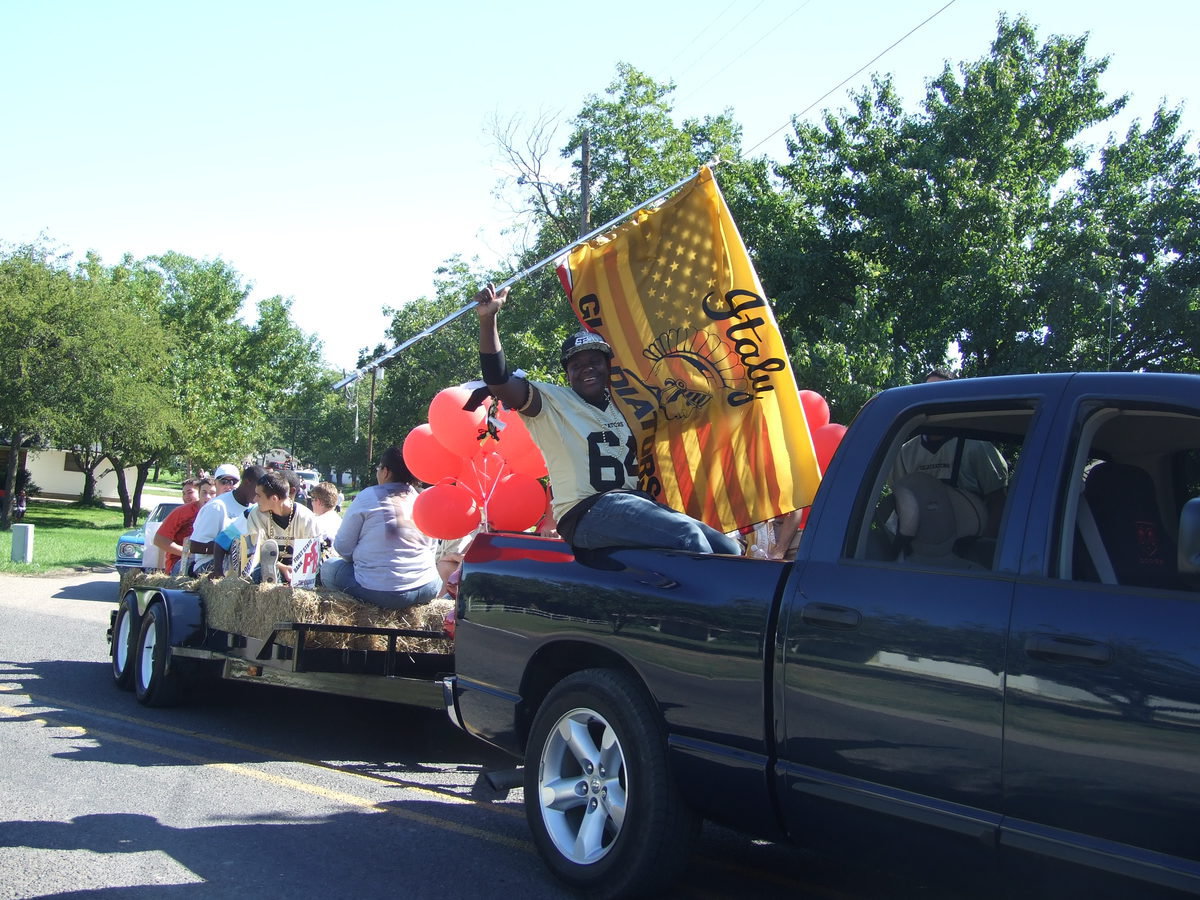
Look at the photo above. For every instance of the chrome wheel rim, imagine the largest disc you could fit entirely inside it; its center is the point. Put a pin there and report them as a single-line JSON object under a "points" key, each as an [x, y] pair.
{"points": [[582, 786]]}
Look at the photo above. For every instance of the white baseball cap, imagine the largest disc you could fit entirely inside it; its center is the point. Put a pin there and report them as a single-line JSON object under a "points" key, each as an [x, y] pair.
{"points": [[225, 470]]}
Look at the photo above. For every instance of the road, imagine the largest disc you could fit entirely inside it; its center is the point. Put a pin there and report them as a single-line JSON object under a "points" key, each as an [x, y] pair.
{"points": [[265, 792]]}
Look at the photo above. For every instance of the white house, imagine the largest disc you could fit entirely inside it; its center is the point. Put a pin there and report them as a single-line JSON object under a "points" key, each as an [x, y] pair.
{"points": [[57, 476]]}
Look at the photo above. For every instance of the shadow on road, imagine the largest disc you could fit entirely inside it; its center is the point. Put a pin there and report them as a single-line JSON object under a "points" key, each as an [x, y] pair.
{"points": [[104, 589]]}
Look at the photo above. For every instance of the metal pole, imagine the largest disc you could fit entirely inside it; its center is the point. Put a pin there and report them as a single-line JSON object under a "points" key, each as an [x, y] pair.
{"points": [[524, 273], [371, 420]]}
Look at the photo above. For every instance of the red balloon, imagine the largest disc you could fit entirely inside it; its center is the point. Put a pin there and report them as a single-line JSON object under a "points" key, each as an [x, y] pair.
{"points": [[816, 410], [456, 429], [480, 473], [427, 458], [529, 463], [515, 441], [825, 441], [517, 503], [446, 511]]}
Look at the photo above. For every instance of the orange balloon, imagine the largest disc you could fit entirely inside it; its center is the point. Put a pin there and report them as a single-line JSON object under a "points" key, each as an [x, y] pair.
{"points": [[517, 503], [457, 429], [816, 410], [427, 458], [446, 511]]}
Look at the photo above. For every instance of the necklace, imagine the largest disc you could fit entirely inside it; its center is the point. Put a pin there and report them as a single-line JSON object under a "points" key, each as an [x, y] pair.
{"points": [[285, 526]]}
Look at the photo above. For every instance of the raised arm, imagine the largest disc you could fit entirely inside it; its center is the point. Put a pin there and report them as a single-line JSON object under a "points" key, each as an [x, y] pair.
{"points": [[513, 391]]}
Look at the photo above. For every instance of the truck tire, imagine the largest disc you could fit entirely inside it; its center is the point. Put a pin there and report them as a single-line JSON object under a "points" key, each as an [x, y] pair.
{"points": [[121, 648], [605, 813], [153, 683]]}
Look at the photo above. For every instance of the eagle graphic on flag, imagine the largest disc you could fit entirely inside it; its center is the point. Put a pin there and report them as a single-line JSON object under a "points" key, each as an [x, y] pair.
{"points": [[700, 372]]}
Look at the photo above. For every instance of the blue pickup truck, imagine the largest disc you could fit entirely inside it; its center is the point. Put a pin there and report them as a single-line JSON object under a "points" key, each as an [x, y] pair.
{"points": [[1029, 685]]}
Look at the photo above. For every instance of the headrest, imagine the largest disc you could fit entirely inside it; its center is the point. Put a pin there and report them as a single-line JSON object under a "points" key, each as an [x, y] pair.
{"points": [[934, 515]]}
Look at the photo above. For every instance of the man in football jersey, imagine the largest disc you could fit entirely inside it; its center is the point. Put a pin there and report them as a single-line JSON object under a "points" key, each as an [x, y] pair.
{"points": [[589, 448]]}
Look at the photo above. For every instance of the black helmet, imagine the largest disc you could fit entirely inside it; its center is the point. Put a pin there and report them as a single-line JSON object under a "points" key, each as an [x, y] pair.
{"points": [[584, 340]]}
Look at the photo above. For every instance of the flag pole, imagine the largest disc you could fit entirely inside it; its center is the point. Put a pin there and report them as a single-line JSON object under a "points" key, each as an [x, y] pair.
{"points": [[524, 273]]}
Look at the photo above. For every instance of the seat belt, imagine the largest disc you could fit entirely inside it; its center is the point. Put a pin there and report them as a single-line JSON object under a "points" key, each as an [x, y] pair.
{"points": [[957, 464], [1086, 523]]}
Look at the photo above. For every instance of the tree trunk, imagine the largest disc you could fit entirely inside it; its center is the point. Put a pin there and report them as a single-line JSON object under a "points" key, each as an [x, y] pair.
{"points": [[143, 472], [88, 461], [127, 508], [10, 480]]}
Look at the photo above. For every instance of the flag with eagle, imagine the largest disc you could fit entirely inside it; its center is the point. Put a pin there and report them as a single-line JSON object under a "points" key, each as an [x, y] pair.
{"points": [[699, 370]]}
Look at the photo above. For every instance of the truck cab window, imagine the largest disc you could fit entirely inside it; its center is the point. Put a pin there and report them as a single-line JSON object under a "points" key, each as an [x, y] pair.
{"points": [[1126, 499], [939, 495]]}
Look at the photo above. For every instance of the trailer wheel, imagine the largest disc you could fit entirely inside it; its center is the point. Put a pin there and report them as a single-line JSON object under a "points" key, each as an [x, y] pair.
{"points": [[605, 814], [153, 684], [121, 648]]}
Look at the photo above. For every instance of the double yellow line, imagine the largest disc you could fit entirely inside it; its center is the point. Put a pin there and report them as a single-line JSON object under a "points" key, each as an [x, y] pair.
{"points": [[281, 781]]}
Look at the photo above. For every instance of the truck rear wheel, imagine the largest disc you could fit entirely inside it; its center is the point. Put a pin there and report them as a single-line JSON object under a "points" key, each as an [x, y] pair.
{"points": [[605, 814], [154, 683], [121, 648]]}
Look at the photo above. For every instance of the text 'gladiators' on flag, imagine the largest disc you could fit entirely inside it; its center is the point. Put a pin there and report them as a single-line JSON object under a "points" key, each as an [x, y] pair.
{"points": [[699, 369]]}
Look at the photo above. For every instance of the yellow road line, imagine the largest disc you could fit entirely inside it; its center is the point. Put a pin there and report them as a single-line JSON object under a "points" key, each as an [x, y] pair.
{"points": [[281, 781], [272, 753]]}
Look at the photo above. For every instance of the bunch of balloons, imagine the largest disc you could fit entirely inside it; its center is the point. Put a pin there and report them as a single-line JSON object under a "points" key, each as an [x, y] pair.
{"points": [[825, 435], [477, 479]]}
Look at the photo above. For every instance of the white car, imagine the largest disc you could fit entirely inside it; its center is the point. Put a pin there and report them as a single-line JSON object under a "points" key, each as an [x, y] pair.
{"points": [[309, 477]]}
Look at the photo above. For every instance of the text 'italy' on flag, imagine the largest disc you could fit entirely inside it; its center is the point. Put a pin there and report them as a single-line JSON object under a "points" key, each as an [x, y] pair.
{"points": [[699, 370]]}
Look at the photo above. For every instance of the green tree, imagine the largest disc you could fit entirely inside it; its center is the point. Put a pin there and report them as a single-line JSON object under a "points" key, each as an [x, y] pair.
{"points": [[976, 226], [234, 384], [1121, 285], [123, 390], [44, 348]]}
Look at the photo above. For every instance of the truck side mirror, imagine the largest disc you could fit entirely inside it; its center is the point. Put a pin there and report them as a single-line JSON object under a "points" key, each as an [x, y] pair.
{"points": [[1189, 538]]}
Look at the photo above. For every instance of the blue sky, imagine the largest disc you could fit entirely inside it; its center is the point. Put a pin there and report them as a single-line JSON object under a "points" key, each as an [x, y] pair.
{"points": [[337, 153]]}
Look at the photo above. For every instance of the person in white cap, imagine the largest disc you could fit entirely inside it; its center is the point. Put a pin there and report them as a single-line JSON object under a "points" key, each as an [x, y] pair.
{"points": [[220, 511], [588, 447], [226, 478]]}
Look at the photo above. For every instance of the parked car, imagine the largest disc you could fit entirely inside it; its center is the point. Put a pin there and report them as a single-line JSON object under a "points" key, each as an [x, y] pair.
{"points": [[131, 545], [310, 478]]}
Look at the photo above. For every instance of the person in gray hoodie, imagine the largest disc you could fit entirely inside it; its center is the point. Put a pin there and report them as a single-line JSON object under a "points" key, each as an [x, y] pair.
{"points": [[384, 558]]}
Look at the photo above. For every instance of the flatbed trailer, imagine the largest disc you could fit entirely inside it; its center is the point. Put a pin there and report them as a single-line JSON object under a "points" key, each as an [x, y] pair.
{"points": [[160, 645]]}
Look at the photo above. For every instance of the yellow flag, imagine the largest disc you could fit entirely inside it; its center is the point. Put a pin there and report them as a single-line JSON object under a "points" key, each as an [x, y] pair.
{"points": [[699, 371]]}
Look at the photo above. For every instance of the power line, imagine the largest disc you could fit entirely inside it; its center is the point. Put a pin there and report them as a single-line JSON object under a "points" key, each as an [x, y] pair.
{"points": [[711, 22], [853, 75], [770, 31], [701, 57]]}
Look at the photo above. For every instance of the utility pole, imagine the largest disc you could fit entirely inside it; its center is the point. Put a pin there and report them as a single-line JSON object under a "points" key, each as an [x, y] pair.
{"points": [[585, 186], [371, 419]]}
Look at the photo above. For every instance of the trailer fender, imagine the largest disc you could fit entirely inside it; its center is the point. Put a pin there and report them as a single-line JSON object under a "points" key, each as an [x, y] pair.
{"points": [[185, 613]]}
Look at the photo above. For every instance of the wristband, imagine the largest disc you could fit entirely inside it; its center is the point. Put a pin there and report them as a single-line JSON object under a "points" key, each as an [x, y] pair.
{"points": [[494, 369]]}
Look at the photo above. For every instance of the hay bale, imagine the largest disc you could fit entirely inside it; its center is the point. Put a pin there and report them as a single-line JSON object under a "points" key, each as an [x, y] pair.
{"points": [[240, 607], [140, 578]]}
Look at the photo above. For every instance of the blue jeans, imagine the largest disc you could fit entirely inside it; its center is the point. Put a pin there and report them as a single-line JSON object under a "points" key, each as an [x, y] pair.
{"points": [[338, 573], [621, 519]]}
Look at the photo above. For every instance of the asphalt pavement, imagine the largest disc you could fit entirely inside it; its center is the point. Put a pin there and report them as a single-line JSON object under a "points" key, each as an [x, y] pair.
{"points": [[249, 790]]}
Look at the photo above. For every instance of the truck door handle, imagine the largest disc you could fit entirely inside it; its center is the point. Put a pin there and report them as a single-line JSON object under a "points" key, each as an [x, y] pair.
{"points": [[830, 616], [1066, 648]]}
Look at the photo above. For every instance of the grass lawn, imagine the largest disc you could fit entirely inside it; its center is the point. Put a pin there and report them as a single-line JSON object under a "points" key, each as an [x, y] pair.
{"points": [[65, 537]]}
